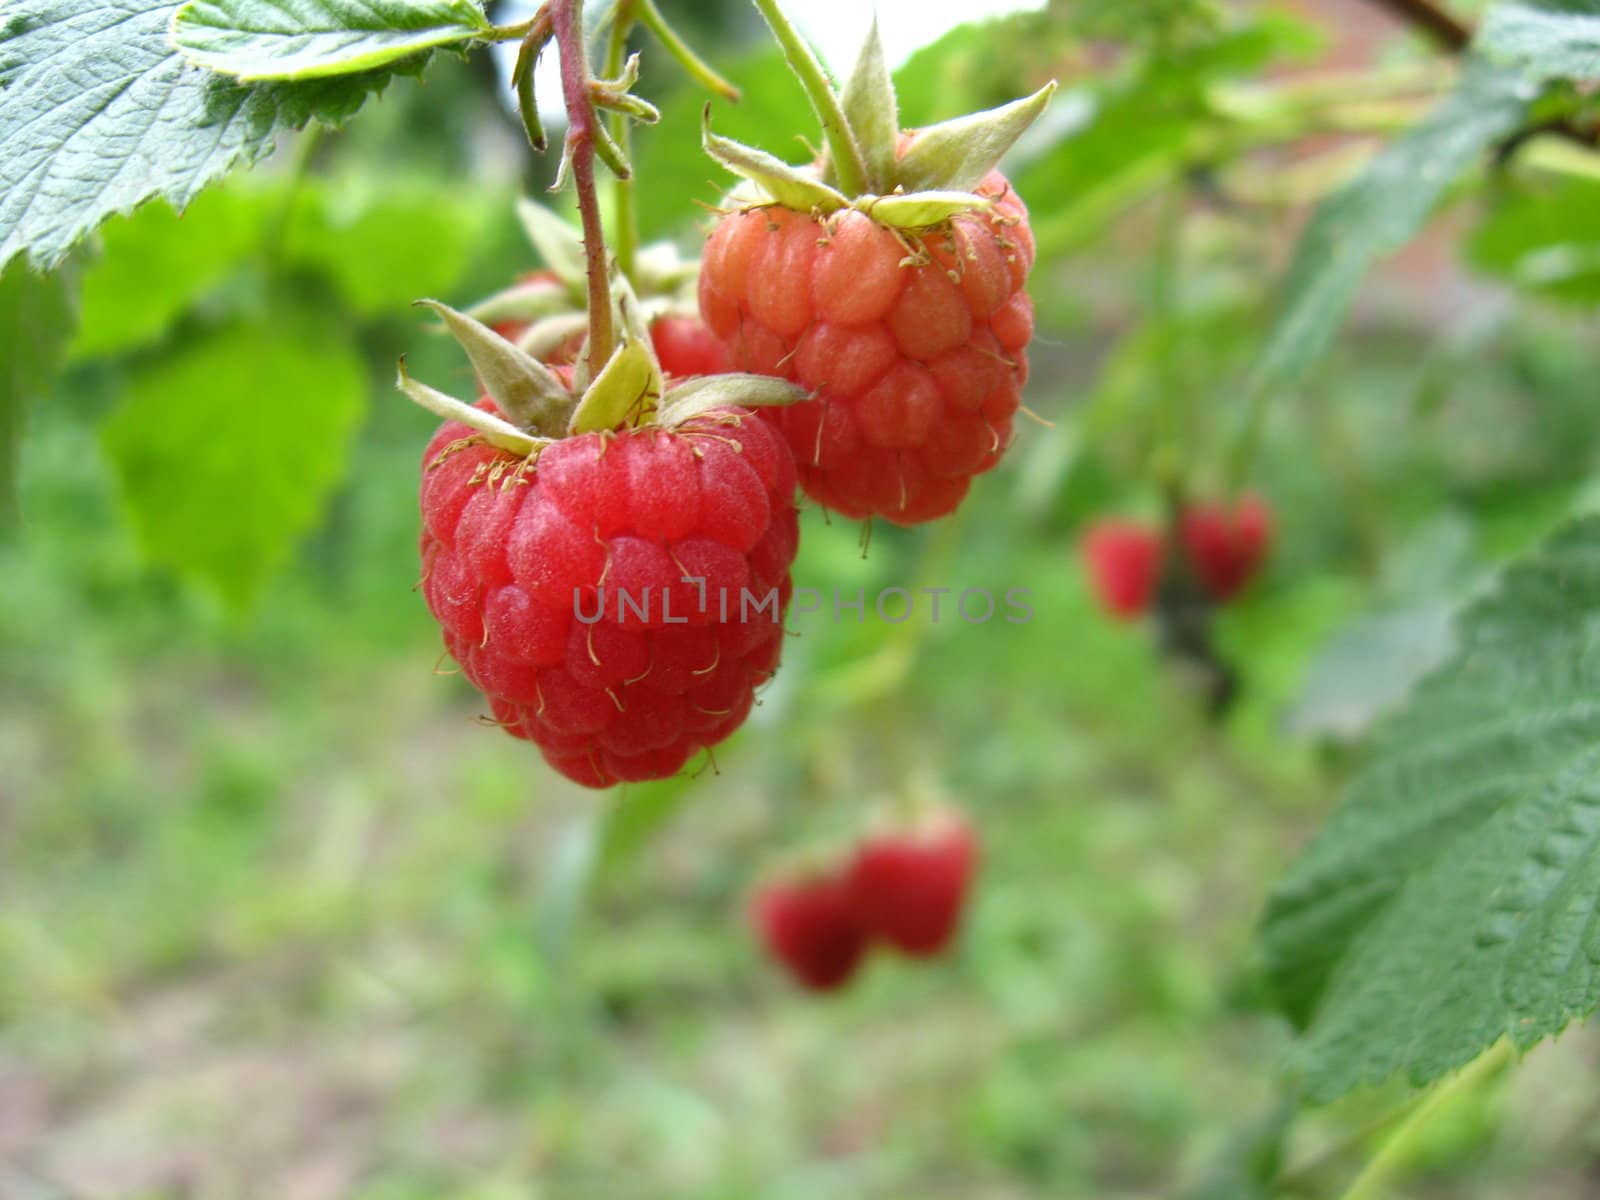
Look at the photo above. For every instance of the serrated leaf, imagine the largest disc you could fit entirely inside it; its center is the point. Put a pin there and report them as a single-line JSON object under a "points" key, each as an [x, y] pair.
{"points": [[871, 111], [1382, 208], [1452, 899], [256, 40], [36, 318], [99, 114], [1545, 241], [1554, 39], [954, 156], [155, 264], [227, 450]]}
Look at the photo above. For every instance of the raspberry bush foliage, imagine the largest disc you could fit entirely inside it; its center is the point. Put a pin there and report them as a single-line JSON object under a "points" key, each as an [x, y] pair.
{"points": [[1159, 316]]}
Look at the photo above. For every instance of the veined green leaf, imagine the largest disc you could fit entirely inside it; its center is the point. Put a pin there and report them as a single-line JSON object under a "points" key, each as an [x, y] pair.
{"points": [[306, 39], [1554, 39], [1454, 897], [98, 113]]}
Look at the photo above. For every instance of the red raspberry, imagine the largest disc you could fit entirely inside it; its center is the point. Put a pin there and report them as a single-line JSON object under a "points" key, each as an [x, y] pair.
{"points": [[909, 886], [1226, 547], [914, 343], [807, 922], [609, 524], [1124, 563]]}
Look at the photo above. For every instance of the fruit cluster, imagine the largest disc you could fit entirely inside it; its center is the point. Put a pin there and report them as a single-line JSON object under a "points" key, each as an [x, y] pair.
{"points": [[608, 532], [1220, 547], [902, 887]]}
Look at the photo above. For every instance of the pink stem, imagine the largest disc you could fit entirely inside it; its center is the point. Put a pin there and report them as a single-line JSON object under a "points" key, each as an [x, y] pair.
{"points": [[566, 16]]}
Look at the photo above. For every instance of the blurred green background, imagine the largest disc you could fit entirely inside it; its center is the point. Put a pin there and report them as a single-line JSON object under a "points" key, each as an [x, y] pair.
{"points": [[280, 918]]}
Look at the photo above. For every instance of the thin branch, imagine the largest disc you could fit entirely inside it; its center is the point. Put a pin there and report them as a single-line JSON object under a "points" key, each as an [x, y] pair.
{"points": [[1429, 18], [583, 130]]}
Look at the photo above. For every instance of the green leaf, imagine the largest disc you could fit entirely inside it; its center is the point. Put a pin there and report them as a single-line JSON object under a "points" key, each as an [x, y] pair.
{"points": [[365, 238], [1553, 39], [636, 814], [1545, 241], [155, 264], [227, 450], [1382, 208], [1452, 899], [99, 113], [36, 319], [308, 39]]}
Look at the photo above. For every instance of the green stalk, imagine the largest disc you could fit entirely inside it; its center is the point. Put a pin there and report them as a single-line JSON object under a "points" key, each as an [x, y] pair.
{"points": [[1373, 1179], [648, 15], [624, 197], [849, 167]]}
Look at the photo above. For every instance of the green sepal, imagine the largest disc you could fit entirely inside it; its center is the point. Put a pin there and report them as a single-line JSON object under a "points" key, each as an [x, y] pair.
{"points": [[696, 397], [530, 300], [547, 335], [497, 431], [955, 155], [524, 388], [920, 210], [626, 392], [558, 244], [872, 111], [792, 187]]}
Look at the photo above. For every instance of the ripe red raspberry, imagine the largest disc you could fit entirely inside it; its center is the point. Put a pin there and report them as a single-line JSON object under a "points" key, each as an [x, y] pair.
{"points": [[914, 343], [1124, 563], [908, 886], [808, 923], [1226, 547], [520, 556]]}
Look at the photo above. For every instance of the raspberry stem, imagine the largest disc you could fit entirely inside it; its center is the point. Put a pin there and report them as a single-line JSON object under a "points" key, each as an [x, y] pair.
{"points": [[625, 224], [566, 17], [844, 155]]}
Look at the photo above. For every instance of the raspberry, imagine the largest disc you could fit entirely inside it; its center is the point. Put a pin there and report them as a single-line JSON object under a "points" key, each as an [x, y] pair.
{"points": [[1226, 548], [559, 582], [808, 923], [908, 886], [915, 343], [1124, 563]]}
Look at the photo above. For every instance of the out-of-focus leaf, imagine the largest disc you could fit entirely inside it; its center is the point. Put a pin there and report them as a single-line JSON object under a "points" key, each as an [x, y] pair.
{"points": [[1545, 241], [1449, 902], [98, 113], [1140, 131], [1554, 39], [227, 450], [636, 814], [385, 248], [1367, 668], [1383, 208], [156, 263], [772, 115], [305, 39], [36, 318]]}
